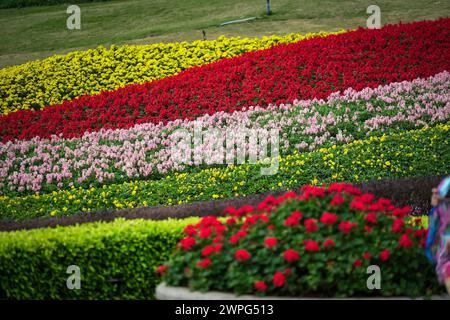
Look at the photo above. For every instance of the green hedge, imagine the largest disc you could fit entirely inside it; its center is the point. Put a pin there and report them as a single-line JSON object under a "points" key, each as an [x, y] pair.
{"points": [[117, 260], [33, 3]]}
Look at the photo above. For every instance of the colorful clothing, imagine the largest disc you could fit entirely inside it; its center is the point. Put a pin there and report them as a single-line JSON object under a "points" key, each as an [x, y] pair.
{"points": [[438, 241]]}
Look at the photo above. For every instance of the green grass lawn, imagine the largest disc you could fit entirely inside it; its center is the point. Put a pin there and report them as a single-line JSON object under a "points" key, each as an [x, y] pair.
{"points": [[37, 32]]}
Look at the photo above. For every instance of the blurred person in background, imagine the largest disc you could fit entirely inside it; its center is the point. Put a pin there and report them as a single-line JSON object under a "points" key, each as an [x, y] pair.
{"points": [[438, 240]]}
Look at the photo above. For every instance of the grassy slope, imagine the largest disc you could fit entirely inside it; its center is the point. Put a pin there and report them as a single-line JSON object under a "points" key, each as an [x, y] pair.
{"points": [[37, 32]]}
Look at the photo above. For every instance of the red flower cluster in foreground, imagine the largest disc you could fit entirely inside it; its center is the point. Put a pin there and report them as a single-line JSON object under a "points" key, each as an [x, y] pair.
{"points": [[285, 242], [312, 68]]}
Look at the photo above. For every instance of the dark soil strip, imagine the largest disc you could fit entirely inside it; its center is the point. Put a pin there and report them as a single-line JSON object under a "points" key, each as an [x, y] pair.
{"points": [[410, 191]]}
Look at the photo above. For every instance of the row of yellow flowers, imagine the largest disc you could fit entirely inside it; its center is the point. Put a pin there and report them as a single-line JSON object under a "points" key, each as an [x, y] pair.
{"points": [[37, 84], [410, 153]]}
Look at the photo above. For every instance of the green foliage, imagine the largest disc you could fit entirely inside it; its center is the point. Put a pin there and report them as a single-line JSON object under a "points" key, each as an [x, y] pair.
{"points": [[117, 260], [318, 243]]}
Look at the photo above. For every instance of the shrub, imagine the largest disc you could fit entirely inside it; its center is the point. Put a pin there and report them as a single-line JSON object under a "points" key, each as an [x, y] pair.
{"points": [[315, 243], [116, 259]]}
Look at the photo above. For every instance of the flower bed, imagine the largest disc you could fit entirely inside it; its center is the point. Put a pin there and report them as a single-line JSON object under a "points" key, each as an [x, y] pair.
{"points": [[144, 151], [318, 242], [36, 84], [411, 153], [313, 68]]}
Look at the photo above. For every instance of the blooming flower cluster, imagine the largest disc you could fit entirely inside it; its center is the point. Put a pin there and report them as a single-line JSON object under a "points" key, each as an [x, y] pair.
{"points": [[324, 248], [392, 155], [313, 68], [37, 84], [146, 150]]}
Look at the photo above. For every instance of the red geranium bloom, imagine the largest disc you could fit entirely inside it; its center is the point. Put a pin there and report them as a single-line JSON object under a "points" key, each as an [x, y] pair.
{"points": [[190, 230], [230, 211], [161, 269], [231, 221], [346, 226], [420, 233], [241, 233], [328, 243], [405, 241], [384, 255], [251, 219], [328, 218], [204, 263], [423, 242], [290, 255], [205, 233], [337, 200], [293, 219], [358, 205], [260, 286], [209, 221], [368, 229], [318, 192], [278, 279], [357, 263], [376, 207], [233, 239], [366, 255], [187, 243], [207, 250], [310, 225], [242, 255], [397, 225], [262, 206], [371, 217], [245, 210], [220, 229], [311, 245], [336, 187], [270, 242], [401, 212], [384, 202], [367, 197]]}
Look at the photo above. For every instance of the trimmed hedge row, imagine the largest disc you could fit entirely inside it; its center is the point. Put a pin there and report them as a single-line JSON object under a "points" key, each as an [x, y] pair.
{"points": [[117, 260], [34, 3]]}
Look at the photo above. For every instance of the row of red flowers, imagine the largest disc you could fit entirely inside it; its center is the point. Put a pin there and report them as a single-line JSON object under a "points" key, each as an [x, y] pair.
{"points": [[309, 69], [317, 242]]}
